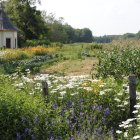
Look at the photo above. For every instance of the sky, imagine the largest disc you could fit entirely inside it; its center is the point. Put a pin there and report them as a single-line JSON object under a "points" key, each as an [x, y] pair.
{"points": [[102, 17]]}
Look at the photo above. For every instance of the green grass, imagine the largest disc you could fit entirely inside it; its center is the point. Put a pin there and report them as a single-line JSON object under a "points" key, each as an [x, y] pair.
{"points": [[75, 54], [77, 51]]}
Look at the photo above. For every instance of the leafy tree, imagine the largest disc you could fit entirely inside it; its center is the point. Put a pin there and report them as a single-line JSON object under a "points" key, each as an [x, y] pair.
{"points": [[86, 35], [129, 35], [71, 37], [27, 18], [138, 35], [57, 32]]}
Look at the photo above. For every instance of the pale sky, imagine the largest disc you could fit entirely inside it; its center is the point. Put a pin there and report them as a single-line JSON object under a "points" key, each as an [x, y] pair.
{"points": [[102, 17]]}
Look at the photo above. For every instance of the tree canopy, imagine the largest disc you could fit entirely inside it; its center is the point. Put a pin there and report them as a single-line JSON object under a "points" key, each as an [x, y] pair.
{"points": [[36, 24]]}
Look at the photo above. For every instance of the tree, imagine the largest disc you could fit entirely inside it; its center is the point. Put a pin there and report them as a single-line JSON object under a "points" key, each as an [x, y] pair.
{"points": [[57, 32], [86, 35], [29, 21], [71, 37]]}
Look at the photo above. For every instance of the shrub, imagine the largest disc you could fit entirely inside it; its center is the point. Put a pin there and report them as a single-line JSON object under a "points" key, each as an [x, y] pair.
{"points": [[37, 42], [56, 44], [18, 114], [96, 46], [119, 62]]}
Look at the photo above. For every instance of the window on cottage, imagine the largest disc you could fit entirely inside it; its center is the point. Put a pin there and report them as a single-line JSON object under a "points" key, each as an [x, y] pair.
{"points": [[15, 43]]}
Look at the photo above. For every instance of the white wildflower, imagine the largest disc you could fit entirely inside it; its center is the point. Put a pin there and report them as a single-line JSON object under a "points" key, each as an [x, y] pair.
{"points": [[74, 94], [136, 137], [88, 88], [19, 85], [107, 90], [130, 120], [118, 100], [31, 93], [38, 84], [101, 93], [118, 132], [137, 106], [125, 103], [125, 134], [135, 111], [120, 93], [62, 93], [120, 105], [60, 97], [121, 125]]}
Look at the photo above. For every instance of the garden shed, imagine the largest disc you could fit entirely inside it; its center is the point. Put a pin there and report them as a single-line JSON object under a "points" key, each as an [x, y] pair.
{"points": [[8, 32]]}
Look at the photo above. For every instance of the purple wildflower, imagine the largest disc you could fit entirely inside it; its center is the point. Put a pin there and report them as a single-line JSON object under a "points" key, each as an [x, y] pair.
{"points": [[99, 107], [93, 108], [107, 111], [69, 102], [54, 106], [51, 138], [98, 131], [80, 101], [111, 131], [27, 130], [18, 136], [72, 138]]}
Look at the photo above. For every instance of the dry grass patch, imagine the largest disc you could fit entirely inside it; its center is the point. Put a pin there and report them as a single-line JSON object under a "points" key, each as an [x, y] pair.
{"points": [[72, 67]]}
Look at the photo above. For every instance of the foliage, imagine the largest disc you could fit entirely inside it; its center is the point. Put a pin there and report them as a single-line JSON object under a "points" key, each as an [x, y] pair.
{"points": [[102, 39], [119, 62], [39, 42], [18, 117], [73, 109], [31, 57], [64, 33], [27, 18]]}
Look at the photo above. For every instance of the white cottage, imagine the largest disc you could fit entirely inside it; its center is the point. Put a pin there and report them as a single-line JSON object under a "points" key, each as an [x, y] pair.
{"points": [[8, 32]]}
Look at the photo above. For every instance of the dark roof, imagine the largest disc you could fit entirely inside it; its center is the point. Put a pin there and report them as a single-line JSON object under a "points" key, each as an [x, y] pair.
{"points": [[6, 22]]}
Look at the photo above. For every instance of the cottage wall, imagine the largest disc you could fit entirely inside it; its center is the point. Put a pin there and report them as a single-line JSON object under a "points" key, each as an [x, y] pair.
{"points": [[8, 34], [1, 40]]}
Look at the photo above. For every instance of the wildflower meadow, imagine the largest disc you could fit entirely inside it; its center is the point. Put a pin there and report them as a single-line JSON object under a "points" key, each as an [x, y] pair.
{"points": [[77, 107]]}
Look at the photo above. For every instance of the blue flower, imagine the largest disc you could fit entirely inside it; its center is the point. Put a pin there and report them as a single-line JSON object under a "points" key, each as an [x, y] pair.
{"points": [[51, 138], [54, 106], [107, 111], [80, 101], [72, 138], [27, 130], [98, 131], [111, 131], [99, 107], [69, 102]]}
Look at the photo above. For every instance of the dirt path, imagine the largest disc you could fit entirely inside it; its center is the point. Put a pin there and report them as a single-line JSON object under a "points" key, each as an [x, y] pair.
{"points": [[72, 67]]}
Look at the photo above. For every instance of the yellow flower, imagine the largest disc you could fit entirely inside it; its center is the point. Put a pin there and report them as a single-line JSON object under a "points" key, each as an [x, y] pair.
{"points": [[84, 84]]}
